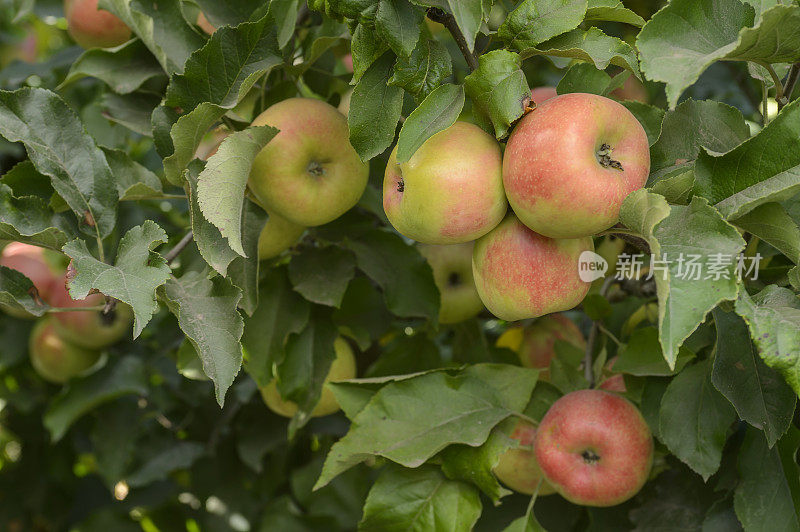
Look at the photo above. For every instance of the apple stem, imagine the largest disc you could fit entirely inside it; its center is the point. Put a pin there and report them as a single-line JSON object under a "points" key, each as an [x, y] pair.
{"points": [[448, 21]]}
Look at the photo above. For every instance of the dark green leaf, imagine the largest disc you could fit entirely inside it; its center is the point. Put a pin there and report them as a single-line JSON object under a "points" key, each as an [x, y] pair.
{"points": [[535, 21], [398, 23], [323, 286], [428, 67], [124, 69], [439, 111]]}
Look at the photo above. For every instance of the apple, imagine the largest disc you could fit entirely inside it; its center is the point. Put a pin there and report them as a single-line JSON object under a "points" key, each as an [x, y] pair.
{"points": [[344, 103], [204, 24], [308, 173], [535, 344], [595, 448], [541, 94], [347, 61], [518, 468], [570, 163], [55, 359], [90, 329], [452, 272], [32, 261], [278, 235], [91, 27], [342, 368], [613, 382], [632, 89], [450, 191], [521, 274]]}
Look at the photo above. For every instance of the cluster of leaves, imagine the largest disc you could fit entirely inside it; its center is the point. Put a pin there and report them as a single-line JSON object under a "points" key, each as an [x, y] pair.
{"points": [[99, 163]]}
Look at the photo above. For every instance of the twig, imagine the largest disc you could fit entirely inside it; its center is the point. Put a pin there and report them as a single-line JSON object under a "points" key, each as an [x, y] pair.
{"points": [[609, 334], [791, 82], [775, 81], [174, 252], [448, 21], [97, 308], [588, 370]]}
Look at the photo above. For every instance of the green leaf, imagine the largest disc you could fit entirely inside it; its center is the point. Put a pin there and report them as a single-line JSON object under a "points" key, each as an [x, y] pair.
{"points": [[584, 77], [221, 185], [30, 220], [207, 313], [474, 400], [175, 456], [409, 291], [469, 15], [758, 393], [694, 125], [137, 273], [161, 27], [284, 13], [763, 499], [677, 235], [280, 312], [323, 286], [17, 293], [231, 12], [419, 499], [771, 223], [773, 316], [243, 272], [475, 464], [133, 111], [60, 148], [116, 428], [124, 68], [398, 23], [439, 111], [642, 356], [612, 11], [498, 89], [375, 109], [366, 47], [394, 359], [695, 418], [125, 376], [362, 314], [758, 171], [535, 21], [133, 180], [650, 116], [427, 68], [591, 45]]}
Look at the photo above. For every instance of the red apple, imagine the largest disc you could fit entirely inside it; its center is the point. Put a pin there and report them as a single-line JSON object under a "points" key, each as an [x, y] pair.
{"points": [[55, 359], [90, 329], [535, 344], [595, 448], [518, 468], [31, 261], [540, 94], [632, 89], [613, 382], [571, 162], [450, 191], [347, 61], [309, 173], [92, 27], [520, 274]]}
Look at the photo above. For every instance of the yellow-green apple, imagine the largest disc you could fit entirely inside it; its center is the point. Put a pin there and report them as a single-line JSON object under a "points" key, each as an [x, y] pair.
{"points": [[204, 24], [278, 235], [541, 94], [32, 261], [92, 27], [344, 103], [450, 191], [521, 274], [308, 173], [595, 448], [90, 329], [535, 344], [518, 468], [570, 163], [342, 368], [55, 359], [452, 272]]}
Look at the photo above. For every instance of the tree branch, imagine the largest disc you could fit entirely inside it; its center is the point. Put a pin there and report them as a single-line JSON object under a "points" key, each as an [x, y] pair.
{"points": [[448, 21], [174, 252]]}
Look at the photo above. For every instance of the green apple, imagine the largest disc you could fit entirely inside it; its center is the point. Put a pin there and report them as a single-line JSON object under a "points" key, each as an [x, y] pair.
{"points": [[309, 173], [278, 235], [92, 27], [521, 274], [518, 468], [342, 368], [450, 191], [595, 448], [571, 162], [452, 272], [55, 359]]}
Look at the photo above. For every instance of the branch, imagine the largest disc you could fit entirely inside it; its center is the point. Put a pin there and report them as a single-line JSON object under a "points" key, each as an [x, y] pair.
{"points": [[174, 252], [448, 21], [791, 82], [775, 81]]}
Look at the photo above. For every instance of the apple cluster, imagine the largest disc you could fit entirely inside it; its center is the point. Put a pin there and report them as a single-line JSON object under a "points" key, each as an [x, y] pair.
{"points": [[64, 344]]}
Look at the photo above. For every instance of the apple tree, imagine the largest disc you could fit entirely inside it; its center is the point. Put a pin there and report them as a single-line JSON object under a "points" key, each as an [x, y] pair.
{"points": [[433, 265]]}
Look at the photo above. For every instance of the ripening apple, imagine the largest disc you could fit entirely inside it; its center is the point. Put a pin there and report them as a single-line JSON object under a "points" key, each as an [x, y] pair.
{"points": [[612, 382], [278, 235], [632, 89], [204, 24], [541, 94], [452, 272], [55, 359], [33, 262], [342, 368], [571, 162], [91, 27], [595, 448], [308, 173], [518, 468], [90, 329], [450, 191], [535, 344], [520, 274]]}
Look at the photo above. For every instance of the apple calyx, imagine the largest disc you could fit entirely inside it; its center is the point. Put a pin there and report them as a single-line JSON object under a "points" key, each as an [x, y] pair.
{"points": [[401, 186], [590, 457], [315, 169], [604, 158], [454, 279]]}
